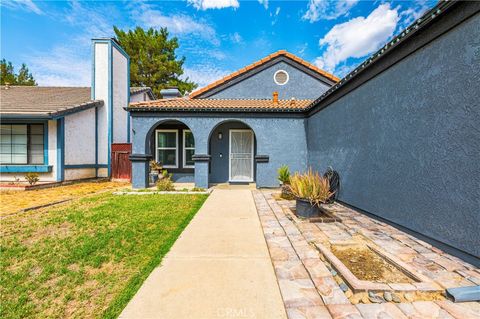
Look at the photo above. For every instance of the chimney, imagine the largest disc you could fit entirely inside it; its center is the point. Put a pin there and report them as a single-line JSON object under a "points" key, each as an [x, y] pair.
{"points": [[110, 83], [275, 97], [170, 92]]}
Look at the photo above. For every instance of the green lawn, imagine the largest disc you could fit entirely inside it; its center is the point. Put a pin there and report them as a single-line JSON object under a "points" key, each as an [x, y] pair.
{"points": [[87, 259]]}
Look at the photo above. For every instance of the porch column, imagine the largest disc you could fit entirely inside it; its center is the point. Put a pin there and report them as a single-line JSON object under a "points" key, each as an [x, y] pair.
{"points": [[140, 170], [201, 169]]}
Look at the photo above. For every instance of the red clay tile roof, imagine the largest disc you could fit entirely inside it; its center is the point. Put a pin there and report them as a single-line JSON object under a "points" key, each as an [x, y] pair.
{"points": [[186, 104], [260, 62]]}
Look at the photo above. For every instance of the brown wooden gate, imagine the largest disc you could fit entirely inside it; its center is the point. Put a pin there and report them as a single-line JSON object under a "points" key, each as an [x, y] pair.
{"points": [[121, 165]]}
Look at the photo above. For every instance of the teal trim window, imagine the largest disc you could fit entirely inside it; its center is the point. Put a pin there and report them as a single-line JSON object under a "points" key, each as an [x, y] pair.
{"points": [[22, 144]]}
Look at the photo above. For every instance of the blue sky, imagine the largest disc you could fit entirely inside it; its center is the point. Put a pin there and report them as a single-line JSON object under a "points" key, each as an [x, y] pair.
{"points": [[217, 37]]}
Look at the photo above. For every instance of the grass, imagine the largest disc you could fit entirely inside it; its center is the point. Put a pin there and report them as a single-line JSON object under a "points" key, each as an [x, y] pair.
{"points": [[87, 258], [13, 201]]}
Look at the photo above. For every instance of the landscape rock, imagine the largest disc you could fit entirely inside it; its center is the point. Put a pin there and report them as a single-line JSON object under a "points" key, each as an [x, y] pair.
{"points": [[343, 286], [388, 296], [396, 298], [375, 298]]}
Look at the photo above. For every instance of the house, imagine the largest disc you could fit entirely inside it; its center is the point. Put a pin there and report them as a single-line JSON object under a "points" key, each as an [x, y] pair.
{"points": [[66, 133], [401, 128]]}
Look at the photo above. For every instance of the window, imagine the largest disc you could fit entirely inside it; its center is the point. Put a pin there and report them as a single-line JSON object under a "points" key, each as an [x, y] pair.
{"points": [[281, 77], [22, 144], [167, 148], [188, 149]]}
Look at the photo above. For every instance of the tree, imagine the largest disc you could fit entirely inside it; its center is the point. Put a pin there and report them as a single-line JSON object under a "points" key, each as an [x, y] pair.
{"points": [[24, 77], [7, 74], [153, 61]]}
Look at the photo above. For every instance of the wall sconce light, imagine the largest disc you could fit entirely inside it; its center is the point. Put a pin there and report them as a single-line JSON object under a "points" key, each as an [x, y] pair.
{"points": [[220, 135]]}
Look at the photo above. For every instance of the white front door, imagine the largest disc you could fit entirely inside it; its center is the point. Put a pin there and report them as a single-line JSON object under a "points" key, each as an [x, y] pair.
{"points": [[241, 156]]}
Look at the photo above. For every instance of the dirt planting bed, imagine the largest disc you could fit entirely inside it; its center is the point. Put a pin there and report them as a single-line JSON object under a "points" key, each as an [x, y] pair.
{"points": [[365, 264]]}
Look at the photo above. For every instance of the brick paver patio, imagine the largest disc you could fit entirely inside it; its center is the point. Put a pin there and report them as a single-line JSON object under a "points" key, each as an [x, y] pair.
{"points": [[312, 288]]}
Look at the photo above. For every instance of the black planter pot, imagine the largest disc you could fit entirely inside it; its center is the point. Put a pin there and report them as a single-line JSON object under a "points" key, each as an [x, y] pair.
{"points": [[306, 210]]}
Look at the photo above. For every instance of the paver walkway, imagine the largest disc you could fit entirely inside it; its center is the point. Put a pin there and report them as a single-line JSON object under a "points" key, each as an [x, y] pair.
{"points": [[220, 267], [312, 289]]}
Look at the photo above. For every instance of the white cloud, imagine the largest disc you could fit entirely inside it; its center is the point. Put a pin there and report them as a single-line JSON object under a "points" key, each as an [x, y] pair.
{"points": [[328, 9], [415, 11], [357, 37], [264, 3], [178, 24], [213, 4], [60, 67], [69, 64], [205, 74], [27, 5], [236, 38]]}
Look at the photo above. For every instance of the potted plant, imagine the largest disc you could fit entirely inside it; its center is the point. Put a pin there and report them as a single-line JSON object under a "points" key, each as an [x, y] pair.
{"points": [[310, 190], [155, 171], [284, 179]]}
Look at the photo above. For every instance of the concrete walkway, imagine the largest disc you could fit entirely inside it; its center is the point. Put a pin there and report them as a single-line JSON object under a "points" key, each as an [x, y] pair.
{"points": [[219, 267]]}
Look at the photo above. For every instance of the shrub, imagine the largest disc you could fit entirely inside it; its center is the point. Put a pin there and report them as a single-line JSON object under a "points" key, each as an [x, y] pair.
{"points": [[198, 189], [166, 174], [32, 178], [310, 186], [165, 184], [284, 174], [155, 166]]}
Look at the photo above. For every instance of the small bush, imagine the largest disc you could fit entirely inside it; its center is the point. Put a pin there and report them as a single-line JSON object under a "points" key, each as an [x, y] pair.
{"points": [[284, 174], [198, 189], [165, 185], [32, 178], [310, 186], [155, 166]]}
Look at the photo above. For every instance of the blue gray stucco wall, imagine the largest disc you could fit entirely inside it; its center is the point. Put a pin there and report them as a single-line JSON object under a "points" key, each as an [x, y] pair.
{"points": [[282, 138], [261, 85], [407, 142]]}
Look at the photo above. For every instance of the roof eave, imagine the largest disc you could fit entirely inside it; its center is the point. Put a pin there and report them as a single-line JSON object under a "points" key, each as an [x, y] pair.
{"points": [[53, 115], [212, 110]]}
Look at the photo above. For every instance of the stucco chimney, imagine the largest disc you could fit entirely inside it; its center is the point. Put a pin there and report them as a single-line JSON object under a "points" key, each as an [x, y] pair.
{"points": [[111, 84], [275, 97]]}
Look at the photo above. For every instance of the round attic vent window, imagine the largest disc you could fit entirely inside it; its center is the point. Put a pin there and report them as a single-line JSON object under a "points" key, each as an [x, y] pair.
{"points": [[280, 77]]}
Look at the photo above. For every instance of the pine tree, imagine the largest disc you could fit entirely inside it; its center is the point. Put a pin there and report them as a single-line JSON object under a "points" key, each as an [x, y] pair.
{"points": [[8, 76], [25, 77], [153, 61]]}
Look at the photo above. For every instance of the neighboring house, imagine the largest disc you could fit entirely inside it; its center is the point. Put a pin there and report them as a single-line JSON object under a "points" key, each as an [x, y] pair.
{"points": [[401, 129], [66, 133], [141, 93]]}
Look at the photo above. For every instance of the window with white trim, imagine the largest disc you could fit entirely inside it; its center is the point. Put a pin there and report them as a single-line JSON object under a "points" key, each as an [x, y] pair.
{"points": [[167, 148], [281, 77], [22, 144], [188, 149]]}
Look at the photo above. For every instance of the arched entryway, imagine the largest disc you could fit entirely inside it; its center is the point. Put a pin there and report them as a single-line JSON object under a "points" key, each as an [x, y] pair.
{"points": [[172, 144], [232, 149]]}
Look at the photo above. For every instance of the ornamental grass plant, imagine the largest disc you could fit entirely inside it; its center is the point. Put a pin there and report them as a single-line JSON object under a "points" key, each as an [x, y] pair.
{"points": [[310, 186]]}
